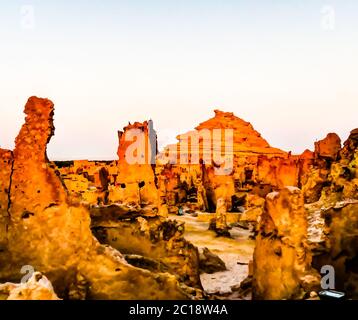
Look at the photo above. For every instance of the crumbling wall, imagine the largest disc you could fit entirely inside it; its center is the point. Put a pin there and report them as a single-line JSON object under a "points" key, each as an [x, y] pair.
{"points": [[136, 183]]}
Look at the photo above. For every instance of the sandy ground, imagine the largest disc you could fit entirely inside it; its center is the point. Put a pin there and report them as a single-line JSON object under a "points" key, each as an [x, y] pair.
{"points": [[238, 249]]}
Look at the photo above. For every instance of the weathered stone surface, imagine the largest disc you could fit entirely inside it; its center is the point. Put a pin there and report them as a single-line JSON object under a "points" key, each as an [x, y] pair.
{"points": [[343, 177], [255, 208], [145, 263], [282, 261], [49, 233], [210, 262], [219, 222], [331, 181], [38, 287], [130, 180], [328, 147], [279, 172], [340, 246], [136, 183], [153, 238], [88, 181], [350, 146], [313, 187]]}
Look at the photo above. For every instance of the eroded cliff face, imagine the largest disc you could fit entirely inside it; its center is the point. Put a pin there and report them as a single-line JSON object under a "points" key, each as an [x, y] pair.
{"points": [[154, 241], [333, 176], [328, 147], [342, 182], [48, 232], [282, 259]]}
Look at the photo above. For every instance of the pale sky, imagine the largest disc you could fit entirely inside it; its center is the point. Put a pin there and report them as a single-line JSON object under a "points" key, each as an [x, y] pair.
{"points": [[288, 67]]}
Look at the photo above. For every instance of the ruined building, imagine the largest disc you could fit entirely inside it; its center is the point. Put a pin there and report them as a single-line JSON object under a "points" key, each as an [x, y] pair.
{"points": [[136, 183]]}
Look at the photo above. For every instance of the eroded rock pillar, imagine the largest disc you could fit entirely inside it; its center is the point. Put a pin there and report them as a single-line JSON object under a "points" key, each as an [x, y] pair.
{"points": [[282, 260]]}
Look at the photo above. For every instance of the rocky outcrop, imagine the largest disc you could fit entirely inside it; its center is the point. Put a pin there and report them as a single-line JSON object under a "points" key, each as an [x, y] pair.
{"points": [[156, 239], [210, 262], [219, 223], [246, 138], [255, 208], [335, 237], [282, 260], [136, 183], [279, 172], [317, 179], [329, 147], [342, 182], [51, 234]]}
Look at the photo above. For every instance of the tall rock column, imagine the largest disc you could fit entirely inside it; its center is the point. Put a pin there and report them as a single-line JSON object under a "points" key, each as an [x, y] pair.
{"points": [[136, 184], [282, 260], [44, 230]]}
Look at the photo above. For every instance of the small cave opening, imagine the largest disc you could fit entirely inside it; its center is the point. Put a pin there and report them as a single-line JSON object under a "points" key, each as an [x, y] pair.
{"points": [[123, 185], [192, 195], [104, 178], [211, 203], [347, 174], [27, 215], [248, 175], [141, 184], [238, 203]]}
